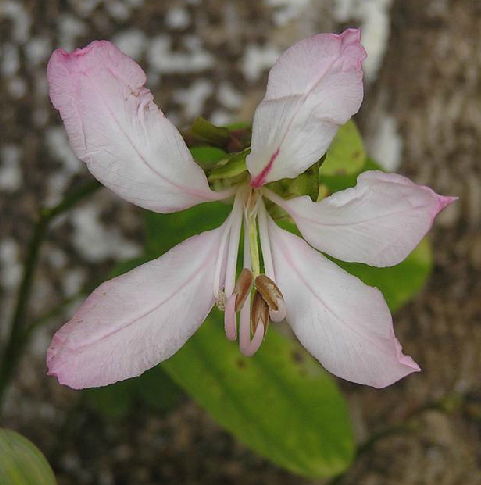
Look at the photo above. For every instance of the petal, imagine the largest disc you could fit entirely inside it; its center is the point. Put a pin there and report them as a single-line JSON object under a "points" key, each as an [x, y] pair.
{"points": [[342, 322], [378, 222], [314, 87], [117, 130], [133, 322]]}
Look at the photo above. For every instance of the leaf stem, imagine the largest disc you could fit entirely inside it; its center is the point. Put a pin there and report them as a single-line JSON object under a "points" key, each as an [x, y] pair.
{"points": [[17, 337]]}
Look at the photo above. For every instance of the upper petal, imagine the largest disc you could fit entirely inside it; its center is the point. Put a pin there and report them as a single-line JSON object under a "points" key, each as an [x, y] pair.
{"points": [[133, 322], [314, 87], [341, 321], [377, 222], [117, 130]]}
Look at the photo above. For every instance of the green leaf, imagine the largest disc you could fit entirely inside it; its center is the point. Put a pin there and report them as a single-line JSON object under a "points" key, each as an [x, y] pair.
{"points": [[207, 157], [397, 283], [280, 402], [21, 462], [346, 155]]}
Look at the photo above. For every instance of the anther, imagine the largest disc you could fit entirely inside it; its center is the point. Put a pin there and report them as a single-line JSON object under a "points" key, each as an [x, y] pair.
{"points": [[242, 287], [272, 296], [259, 313]]}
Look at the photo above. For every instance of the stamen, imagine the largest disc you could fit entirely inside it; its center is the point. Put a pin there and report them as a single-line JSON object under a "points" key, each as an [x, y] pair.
{"points": [[278, 315], [269, 291], [230, 318], [249, 347], [259, 313], [221, 258], [267, 286], [265, 244], [256, 342], [242, 287], [245, 325], [272, 296], [233, 246]]}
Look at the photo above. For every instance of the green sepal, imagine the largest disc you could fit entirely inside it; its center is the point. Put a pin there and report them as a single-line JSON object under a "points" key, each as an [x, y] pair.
{"points": [[204, 132], [207, 157], [306, 183], [230, 167]]}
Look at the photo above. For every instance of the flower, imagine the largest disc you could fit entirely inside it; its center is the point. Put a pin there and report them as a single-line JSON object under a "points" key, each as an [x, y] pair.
{"points": [[133, 322]]}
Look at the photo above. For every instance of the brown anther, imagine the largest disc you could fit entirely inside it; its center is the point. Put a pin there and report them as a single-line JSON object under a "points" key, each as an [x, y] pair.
{"points": [[269, 291], [242, 288], [259, 313]]}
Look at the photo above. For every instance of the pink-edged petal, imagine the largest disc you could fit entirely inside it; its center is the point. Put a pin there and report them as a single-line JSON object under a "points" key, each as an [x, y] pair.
{"points": [[133, 322], [342, 322], [377, 222], [115, 127], [314, 87]]}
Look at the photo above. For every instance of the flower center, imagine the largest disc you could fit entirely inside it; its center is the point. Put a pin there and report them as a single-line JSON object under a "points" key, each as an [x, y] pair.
{"points": [[254, 293]]}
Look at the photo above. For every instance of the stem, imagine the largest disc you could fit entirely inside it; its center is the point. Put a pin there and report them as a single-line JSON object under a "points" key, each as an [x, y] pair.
{"points": [[16, 339]]}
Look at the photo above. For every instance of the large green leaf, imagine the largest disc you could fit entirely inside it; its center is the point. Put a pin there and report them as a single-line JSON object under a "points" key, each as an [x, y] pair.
{"points": [[346, 155], [21, 463], [280, 402]]}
